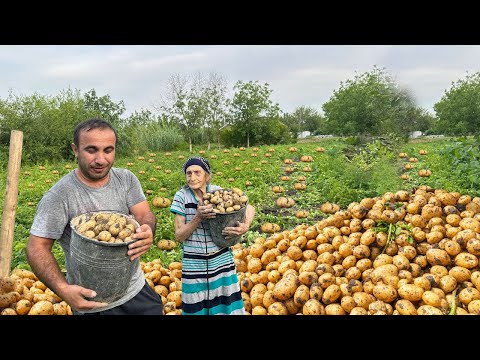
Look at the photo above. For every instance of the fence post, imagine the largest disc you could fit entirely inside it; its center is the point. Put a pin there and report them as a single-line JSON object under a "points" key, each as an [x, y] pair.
{"points": [[10, 204]]}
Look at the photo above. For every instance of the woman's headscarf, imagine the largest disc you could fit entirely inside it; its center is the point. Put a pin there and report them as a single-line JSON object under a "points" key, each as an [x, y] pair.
{"points": [[197, 160]]}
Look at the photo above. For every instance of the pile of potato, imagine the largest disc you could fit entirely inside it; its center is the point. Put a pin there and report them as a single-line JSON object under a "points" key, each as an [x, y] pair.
{"points": [[402, 253], [407, 253], [22, 293], [166, 282], [106, 227]]}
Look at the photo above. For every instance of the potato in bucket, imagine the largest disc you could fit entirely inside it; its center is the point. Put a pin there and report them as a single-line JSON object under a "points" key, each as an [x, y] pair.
{"points": [[230, 206], [98, 253]]}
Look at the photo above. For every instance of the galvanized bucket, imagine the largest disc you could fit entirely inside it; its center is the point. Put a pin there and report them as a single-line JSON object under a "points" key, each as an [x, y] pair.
{"points": [[100, 266], [221, 221]]}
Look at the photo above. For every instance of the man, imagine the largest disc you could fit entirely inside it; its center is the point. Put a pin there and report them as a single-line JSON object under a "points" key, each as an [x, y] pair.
{"points": [[93, 186]]}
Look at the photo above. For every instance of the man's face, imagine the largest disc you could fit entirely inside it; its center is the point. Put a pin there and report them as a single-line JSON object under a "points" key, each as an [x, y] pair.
{"points": [[95, 153]]}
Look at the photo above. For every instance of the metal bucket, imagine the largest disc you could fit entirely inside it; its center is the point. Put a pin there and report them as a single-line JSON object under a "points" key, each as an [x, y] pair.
{"points": [[100, 266], [223, 220]]}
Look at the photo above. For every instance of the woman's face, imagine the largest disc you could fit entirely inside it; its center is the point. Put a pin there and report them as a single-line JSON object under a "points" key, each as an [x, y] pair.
{"points": [[197, 178]]}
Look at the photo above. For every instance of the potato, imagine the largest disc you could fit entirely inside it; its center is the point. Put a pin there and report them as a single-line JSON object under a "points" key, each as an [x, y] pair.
{"points": [[286, 287], [438, 257], [259, 310], [431, 298], [447, 283], [277, 308], [166, 244], [461, 311], [475, 279], [256, 299], [405, 307], [466, 260], [176, 297], [42, 307], [286, 265], [359, 311], [422, 282], [302, 295], [292, 308], [308, 278], [460, 274], [23, 306], [348, 303], [468, 294], [104, 236], [334, 309], [474, 307], [376, 307], [268, 299], [7, 299], [363, 299], [7, 284], [169, 307], [23, 273], [385, 293], [429, 310], [175, 265], [8, 311], [60, 308], [313, 307], [383, 271], [410, 292]]}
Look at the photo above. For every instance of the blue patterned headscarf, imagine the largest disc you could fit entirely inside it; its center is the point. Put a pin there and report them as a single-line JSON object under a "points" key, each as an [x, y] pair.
{"points": [[197, 160]]}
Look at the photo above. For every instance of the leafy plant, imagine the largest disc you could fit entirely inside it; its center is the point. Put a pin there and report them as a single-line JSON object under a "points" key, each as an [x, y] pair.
{"points": [[393, 230]]}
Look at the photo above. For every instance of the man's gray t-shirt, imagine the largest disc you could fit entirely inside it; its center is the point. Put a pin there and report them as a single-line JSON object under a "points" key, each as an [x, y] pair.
{"points": [[70, 197]]}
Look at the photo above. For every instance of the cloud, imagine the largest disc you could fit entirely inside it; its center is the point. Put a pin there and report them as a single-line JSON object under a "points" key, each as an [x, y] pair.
{"points": [[299, 75]]}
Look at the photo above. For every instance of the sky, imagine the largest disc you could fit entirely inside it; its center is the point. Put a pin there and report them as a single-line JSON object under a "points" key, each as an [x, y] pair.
{"points": [[298, 75]]}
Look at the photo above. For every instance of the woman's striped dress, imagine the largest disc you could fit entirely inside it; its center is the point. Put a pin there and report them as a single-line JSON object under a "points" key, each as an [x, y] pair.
{"points": [[210, 283]]}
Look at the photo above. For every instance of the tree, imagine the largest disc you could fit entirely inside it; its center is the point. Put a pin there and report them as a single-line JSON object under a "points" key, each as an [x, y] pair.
{"points": [[215, 100], [103, 107], [47, 123], [423, 120], [251, 104], [304, 118], [370, 104], [458, 111], [196, 104]]}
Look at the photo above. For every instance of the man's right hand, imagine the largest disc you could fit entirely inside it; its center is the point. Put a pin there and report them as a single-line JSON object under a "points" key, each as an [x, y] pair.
{"points": [[79, 297]]}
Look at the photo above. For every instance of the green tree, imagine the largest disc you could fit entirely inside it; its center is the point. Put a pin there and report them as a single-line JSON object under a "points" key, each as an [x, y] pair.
{"points": [[185, 103], [370, 104], [103, 107], [251, 104], [268, 131], [214, 95], [47, 124], [304, 118], [292, 123], [423, 120], [458, 111]]}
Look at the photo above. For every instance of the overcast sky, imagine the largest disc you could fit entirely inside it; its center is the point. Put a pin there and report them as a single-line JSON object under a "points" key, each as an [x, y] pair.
{"points": [[299, 75]]}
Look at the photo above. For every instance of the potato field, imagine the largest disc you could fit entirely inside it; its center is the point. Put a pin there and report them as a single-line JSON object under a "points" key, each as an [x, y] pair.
{"points": [[340, 229]]}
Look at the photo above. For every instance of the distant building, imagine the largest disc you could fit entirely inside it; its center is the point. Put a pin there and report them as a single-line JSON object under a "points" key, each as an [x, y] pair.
{"points": [[415, 134], [304, 134]]}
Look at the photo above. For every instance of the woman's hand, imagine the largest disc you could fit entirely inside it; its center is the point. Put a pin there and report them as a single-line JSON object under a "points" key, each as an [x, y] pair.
{"points": [[233, 231], [206, 212]]}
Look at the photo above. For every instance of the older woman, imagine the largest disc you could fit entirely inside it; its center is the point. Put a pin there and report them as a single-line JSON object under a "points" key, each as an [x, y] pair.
{"points": [[210, 283]]}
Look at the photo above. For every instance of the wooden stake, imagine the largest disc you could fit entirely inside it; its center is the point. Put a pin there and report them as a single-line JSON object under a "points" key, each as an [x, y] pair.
{"points": [[10, 205]]}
